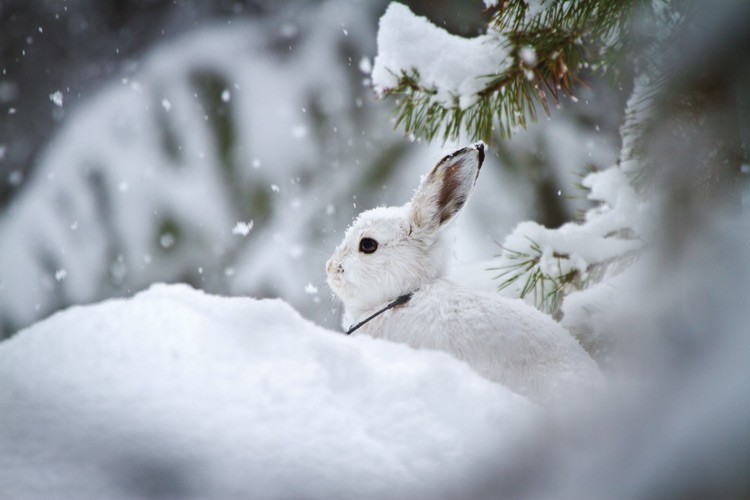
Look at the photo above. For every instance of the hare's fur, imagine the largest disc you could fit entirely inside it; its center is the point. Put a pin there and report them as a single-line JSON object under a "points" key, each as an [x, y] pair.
{"points": [[505, 340]]}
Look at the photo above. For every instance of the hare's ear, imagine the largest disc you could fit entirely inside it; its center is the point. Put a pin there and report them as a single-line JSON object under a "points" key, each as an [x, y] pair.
{"points": [[445, 190]]}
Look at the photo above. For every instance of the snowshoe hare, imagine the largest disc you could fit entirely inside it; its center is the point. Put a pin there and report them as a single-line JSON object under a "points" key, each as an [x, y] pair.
{"points": [[387, 273]]}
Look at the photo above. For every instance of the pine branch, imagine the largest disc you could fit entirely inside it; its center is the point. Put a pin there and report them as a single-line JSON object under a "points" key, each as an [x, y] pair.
{"points": [[511, 97], [548, 52], [546, 289]]}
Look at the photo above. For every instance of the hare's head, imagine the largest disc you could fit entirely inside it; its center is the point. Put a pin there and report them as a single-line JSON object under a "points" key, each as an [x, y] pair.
{"points": [[388, 252]]}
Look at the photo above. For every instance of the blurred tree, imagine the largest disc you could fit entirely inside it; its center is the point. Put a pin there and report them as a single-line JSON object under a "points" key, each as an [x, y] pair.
{"points": [[74, 47]]}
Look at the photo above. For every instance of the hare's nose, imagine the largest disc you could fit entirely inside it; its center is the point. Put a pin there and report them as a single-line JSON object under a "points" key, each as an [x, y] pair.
{"points": [[331, 267]]}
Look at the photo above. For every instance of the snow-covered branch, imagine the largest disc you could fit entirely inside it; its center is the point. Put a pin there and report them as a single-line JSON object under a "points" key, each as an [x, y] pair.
{"points": [[447, 85]]}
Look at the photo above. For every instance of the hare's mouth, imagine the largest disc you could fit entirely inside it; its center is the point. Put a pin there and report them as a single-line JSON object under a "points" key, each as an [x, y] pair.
{"points": [[335, 281]]}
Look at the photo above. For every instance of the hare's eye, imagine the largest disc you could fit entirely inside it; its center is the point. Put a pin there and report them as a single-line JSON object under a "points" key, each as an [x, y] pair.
{"points": [[367, 245]]}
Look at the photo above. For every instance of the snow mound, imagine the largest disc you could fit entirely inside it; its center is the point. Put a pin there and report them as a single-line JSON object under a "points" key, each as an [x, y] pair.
{"points": [[178, 394]]}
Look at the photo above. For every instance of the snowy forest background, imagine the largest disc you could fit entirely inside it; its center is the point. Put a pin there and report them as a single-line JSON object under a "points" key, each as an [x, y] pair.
{"points": [[238, 112], [228, 144]]}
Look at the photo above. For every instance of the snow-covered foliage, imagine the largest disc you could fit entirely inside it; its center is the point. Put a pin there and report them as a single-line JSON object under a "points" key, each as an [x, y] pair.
{"points": [[543, 264], [179, 394], [454, 67], [573, 272], [529, 57]]}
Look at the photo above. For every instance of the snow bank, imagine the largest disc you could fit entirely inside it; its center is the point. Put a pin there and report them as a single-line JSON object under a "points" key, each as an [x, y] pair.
{"points": [[179, 394]]}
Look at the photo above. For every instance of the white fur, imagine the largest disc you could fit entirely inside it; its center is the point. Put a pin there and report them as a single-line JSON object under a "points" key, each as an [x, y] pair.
{"points": [[503, 339]]}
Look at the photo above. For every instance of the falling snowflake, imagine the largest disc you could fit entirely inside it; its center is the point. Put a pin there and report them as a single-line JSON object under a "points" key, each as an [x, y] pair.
{"points": [[365, 66], [243, 228], [528, 55], [167, 240], [57, 98]]}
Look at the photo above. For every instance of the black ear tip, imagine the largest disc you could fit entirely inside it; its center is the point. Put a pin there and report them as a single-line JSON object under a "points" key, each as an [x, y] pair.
{"points": [[479, 146]]}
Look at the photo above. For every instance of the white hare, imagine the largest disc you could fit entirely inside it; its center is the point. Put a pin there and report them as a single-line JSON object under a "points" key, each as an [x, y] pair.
{"points": [[389, 266]]}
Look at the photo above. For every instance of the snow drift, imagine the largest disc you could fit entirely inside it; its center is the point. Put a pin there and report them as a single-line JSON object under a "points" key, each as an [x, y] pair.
{"points": [[179, 394]]}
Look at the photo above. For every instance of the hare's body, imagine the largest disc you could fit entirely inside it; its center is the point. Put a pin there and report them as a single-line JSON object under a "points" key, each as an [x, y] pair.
{"points": [[390, 252], [504, 340]]}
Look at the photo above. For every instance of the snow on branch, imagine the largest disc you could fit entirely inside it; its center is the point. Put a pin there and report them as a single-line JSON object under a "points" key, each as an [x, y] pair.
{"points": [[449, 68], [531, 53], [545, 264]]}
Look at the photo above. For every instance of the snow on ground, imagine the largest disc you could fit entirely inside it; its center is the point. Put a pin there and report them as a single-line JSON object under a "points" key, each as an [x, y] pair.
{"points": [[179, 394]]}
